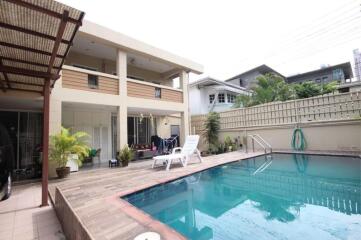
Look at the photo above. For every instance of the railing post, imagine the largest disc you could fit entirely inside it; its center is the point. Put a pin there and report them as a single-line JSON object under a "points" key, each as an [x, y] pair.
{"points": [[253, 143]]}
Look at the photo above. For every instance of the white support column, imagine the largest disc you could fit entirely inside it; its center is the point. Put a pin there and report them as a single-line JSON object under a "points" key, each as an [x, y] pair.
{"points": [[185, 123], [122, 105]]}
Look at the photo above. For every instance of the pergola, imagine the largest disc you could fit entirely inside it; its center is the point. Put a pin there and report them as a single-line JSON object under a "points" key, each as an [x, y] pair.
{"points": [[35, 38]]}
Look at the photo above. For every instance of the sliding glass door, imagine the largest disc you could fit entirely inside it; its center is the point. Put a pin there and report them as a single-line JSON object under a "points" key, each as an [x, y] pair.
{"points": [[25, 130], [139, 130]]}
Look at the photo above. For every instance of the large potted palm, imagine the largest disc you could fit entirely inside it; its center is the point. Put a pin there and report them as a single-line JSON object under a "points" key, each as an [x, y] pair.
{"points": [[65, 144]]}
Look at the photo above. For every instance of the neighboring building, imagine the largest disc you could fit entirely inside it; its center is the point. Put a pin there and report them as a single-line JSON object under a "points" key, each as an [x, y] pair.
{"points": [[357, 60], [341, 73], [354, 86], [117, 89], [248, 79], [209, 94]]}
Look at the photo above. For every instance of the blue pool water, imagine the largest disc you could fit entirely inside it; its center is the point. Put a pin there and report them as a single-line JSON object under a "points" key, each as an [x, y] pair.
{"points": [[287, 196]]}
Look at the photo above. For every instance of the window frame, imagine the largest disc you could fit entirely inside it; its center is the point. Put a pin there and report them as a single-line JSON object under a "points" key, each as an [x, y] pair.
{"points": [[213, 96], [96, 80], [231, 97], [219, 97], [157, 92]]}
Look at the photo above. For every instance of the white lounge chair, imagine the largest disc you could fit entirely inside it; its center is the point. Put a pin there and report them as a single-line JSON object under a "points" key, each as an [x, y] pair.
{"points": [[189, 148]]}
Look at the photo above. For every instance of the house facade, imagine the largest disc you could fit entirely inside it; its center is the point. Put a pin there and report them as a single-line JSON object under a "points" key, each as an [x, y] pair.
{"points": [[117, 89], [248, 79], [342, 73], [209, 94]]}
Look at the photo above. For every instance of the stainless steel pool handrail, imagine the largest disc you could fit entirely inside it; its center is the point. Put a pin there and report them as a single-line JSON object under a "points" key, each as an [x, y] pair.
{"points": [[263, 143]]}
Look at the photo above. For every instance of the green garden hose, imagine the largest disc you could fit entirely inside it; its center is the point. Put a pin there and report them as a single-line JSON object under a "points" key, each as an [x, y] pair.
{"points": [[298, 140]]}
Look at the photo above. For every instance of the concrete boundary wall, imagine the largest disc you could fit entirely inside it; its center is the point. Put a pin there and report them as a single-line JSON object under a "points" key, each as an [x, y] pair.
{"points": [[330, 123], [344, 136]]}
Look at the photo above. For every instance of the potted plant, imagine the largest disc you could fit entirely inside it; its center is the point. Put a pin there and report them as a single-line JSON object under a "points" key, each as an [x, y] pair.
{"points": [[126, 154], [64, 144]]}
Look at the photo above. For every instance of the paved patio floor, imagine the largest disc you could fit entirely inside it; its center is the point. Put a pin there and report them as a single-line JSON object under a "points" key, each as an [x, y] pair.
{"points": [[21, 218], [94, 195]]}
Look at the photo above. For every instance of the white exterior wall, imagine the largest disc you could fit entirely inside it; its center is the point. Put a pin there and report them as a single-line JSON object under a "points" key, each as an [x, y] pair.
{"points": [[95, 122], [199, 100], [197, 105]]}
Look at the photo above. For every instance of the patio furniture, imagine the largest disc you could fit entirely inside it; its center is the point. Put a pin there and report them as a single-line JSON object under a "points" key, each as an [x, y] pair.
{"points": [[189, 148], [113, 163], [143, 151]]}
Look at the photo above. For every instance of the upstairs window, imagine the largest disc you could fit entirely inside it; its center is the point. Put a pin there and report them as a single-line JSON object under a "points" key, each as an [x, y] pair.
{"points": [[240, 82], [221, 98], [325, 79], [211, 98], [158, 92], [318, 80], [93, 81], [231, 98]]}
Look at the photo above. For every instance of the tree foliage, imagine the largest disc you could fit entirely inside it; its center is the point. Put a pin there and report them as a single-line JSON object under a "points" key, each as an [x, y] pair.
{"points": [[212, 126], [271, 87], [312, 89]]}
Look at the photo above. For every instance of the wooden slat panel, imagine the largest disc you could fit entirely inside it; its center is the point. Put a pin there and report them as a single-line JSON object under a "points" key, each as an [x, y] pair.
{"points": [[139, 90], [79, 80]]}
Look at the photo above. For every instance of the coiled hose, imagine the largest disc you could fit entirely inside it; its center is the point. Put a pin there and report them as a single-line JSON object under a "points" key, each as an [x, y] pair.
{"points": [[298, 142]]}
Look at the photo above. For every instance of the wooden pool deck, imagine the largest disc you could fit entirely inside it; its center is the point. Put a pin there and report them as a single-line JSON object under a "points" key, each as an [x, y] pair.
{"points": [[89, 206]]}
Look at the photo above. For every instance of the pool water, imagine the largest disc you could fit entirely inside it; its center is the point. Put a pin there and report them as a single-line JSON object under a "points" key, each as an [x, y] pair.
{"points": [[282, 196]]}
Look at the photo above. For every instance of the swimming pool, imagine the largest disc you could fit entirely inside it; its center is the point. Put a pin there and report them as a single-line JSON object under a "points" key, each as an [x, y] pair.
{"points": [[282, 196]]}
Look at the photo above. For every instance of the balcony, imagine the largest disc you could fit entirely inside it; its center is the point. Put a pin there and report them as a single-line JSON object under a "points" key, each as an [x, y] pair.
{"points": [[87, 80], [142, 89], [93, 81]]}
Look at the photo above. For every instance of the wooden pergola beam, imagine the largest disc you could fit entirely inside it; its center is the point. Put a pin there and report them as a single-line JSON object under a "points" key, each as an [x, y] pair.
{"points": [[58, 38], [5, 44], [26, 83], [44, 10], [5, 74], [25, 72], [31, 32], [2, 85], [27, 62], [71, 40], [25, 90]]}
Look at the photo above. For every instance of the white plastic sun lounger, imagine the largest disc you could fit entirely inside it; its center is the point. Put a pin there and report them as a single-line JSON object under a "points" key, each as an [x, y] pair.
{"points": [[189, 148]]}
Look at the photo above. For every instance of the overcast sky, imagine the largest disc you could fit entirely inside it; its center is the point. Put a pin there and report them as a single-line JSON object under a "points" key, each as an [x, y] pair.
{"points": [[229, 37]]}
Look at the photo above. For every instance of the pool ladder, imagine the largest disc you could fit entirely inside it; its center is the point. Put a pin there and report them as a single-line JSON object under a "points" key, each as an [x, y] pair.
{"points": [[263, 143]]}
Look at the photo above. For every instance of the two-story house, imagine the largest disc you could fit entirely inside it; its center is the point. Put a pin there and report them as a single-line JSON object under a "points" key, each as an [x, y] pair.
{"points": [[341, 73], [117, 89], [209, 94], [248, 79]]}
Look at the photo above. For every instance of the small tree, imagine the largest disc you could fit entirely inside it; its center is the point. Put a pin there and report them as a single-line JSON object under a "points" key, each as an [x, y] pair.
{"points": [[242, 101], [212, 126], [270, 87]]}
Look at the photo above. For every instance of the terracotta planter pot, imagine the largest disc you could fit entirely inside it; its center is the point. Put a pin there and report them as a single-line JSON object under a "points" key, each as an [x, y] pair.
{"points": [[63, 172], [125, 163]]}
